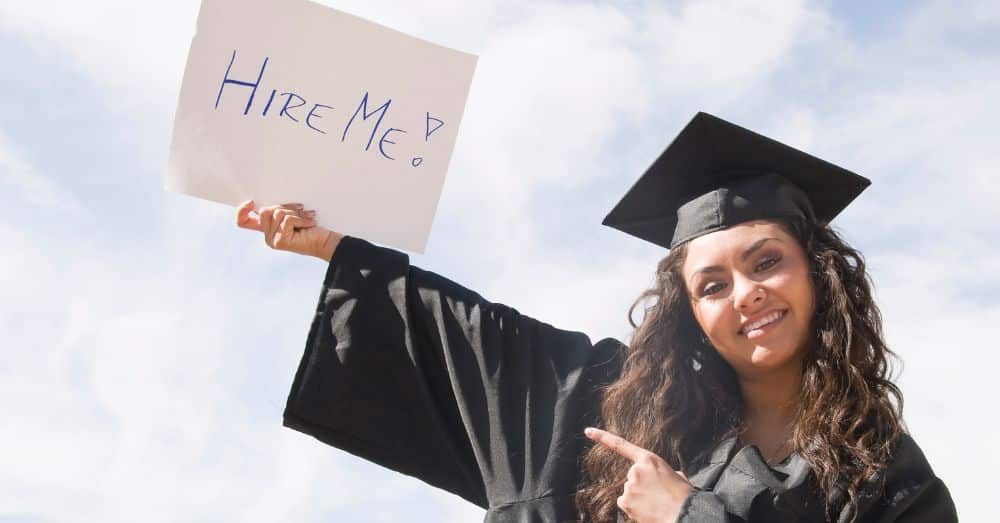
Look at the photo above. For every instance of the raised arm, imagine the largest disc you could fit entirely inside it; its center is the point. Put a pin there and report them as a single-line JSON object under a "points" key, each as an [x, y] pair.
{"points": [[419, 374]]}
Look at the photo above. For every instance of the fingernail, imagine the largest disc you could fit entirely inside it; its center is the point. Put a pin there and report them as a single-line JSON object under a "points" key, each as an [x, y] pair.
{"points": [[588, 431], [311, 213]]}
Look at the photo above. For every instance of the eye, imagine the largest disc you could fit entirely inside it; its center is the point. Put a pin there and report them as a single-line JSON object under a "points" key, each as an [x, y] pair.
{"points": [[710, 289], [764, 265], [769, 262]]}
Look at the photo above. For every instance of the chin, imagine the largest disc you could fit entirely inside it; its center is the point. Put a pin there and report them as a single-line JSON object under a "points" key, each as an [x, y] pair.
{"points": [[766, 358]]}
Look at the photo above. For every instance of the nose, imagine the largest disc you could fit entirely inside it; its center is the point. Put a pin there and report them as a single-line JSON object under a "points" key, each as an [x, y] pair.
{"points": [[747, 293]]}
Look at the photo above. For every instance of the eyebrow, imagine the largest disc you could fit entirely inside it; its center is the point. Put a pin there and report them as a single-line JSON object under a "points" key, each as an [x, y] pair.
{"points": [[743, 257]]}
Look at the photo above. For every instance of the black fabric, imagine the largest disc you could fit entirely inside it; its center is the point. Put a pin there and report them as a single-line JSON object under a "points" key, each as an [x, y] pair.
{"points": [[737, 485], [416, 373], [767, 195], [715, 174]]}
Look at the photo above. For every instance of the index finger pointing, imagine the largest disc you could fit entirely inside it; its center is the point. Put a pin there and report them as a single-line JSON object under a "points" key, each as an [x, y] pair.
{"points": [[620, 445]]}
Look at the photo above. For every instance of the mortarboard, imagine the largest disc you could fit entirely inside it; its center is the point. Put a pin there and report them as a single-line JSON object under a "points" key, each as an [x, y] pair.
{"points": [[716, 174]]}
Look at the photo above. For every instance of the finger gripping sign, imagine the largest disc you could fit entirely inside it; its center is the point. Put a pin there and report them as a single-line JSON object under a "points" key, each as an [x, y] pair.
{"points": [[292, 101]]}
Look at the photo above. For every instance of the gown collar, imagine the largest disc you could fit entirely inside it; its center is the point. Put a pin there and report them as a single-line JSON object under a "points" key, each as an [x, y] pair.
{"points": [[740, 476]]}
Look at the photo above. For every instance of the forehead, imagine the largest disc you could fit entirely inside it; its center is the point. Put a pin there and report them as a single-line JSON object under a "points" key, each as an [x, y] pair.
{"points": [[729, 243]]}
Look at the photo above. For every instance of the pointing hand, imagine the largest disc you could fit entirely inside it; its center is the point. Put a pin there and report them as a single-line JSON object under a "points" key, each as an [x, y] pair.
{"points": [[654, 492]]}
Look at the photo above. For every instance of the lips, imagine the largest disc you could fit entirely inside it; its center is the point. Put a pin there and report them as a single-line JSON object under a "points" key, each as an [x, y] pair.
{"points": [[756, 321]]}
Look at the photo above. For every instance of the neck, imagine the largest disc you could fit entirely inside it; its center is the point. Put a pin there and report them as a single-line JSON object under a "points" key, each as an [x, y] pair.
{"points": [[770, 402]]}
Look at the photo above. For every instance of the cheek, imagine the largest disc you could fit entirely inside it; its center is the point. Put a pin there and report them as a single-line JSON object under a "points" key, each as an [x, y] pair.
{"points": [[809, 308], [713, 319], [798, 292], [794, 285], [790, 280], [802, 292]]}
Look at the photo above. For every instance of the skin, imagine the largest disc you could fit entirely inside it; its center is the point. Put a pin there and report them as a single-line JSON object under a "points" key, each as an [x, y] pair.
{"points": [[289, 227], [654, 492], [769, 367]]}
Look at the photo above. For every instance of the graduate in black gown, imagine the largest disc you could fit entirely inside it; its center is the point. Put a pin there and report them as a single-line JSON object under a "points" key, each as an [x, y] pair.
{"points": [[756, 386]]}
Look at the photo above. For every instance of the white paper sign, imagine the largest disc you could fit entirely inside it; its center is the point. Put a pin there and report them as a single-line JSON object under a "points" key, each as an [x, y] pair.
{"points": [[292, 101]]}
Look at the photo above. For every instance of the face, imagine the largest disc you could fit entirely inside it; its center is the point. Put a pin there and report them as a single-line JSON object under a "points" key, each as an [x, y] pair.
{"points": [[740, 276]]}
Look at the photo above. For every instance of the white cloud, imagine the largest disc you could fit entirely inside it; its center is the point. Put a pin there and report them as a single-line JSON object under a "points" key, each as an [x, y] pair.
{"points": [[20, 178], [722, 45]]}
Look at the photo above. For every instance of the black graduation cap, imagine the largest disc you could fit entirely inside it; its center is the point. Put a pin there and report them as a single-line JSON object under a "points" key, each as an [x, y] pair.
{"points": [[716, 174]]}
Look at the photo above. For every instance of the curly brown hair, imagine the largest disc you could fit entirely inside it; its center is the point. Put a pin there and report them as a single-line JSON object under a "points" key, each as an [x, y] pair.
{"points": [[850, 414]]}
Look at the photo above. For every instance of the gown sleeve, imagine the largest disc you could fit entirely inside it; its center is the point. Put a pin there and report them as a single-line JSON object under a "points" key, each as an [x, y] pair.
{"points": [[414, 372]]}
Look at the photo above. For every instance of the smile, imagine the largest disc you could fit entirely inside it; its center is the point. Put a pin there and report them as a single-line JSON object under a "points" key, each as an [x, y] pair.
{"points": [[759, 329]]}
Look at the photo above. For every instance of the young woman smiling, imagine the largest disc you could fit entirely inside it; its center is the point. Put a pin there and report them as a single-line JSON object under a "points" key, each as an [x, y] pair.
{"points": [[756, 386], [777, 357]]}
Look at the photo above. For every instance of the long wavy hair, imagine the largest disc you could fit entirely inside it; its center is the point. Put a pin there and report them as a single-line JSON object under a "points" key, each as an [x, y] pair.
{"points": [[850, 413]]}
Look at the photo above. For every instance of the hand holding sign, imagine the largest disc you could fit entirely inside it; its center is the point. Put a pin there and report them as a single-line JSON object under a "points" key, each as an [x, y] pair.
{"points": [[289, 227], [654, 492]]}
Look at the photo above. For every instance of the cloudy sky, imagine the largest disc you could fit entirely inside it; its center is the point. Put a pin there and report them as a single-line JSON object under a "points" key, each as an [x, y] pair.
{"points": [[149, 344]]}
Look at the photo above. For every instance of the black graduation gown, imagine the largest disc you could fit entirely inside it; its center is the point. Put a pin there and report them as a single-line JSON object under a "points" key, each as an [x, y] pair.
{"points": [[414, 372]]}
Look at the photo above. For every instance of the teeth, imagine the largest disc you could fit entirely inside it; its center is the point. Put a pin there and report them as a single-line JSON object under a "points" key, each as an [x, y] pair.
{"points": [[764, 321]]}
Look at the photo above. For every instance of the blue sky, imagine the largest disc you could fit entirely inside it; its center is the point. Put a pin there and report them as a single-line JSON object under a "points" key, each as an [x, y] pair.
{"points": [[150, 344]]}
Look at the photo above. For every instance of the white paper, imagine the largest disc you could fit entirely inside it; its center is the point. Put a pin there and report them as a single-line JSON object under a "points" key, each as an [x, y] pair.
{"points": [[379, 177]]}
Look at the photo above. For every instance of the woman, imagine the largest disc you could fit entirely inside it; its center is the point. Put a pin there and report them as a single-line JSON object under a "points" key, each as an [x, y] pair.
{"points": [[755, 388]]}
